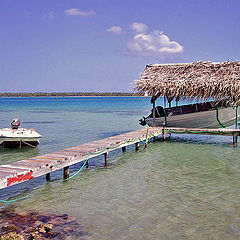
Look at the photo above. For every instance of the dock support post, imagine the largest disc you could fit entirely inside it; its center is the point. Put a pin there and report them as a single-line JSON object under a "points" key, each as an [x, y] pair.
{"points": [[137, 146], [66, 172], [105, 159], [124, 149], [48, 178], [235, 139], [87, 165], [146, 142], [164, 133]]}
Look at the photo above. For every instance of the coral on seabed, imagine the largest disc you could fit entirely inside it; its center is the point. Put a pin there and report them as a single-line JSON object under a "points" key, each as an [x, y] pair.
{"points": [[12, 236]]}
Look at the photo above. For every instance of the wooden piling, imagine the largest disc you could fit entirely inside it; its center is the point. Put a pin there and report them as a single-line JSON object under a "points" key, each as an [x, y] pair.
{"points": [[137, 146], [105, 159], [164, 132], [123, 149], [48, 177], [66, 172], [146, 142], [235, 139]]}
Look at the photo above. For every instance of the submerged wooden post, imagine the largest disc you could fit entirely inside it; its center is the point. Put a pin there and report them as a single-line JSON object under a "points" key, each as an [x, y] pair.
{"points": [[146, 143], [66, 172], [48, 177], [137, 146], [164, 133], [105, 159], [235, 139], [124, 149]]}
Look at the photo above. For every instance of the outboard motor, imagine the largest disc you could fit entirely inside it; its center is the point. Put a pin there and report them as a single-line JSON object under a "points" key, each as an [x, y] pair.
{"points": [[15, 123], [142, 121]]}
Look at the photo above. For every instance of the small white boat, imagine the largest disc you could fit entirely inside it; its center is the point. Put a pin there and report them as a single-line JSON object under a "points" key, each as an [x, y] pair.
{"points": [[200, 115], [18, 137]]}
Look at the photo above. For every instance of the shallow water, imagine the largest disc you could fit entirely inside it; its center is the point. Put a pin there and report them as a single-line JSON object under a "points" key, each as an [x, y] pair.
{"points": [[184, 188]]}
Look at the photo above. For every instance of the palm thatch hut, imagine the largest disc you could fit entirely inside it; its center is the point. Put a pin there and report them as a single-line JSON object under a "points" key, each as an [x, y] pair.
{"points": [[197, 80]]}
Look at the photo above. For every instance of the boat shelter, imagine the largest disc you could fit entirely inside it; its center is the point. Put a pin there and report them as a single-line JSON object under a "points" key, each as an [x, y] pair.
{"points": [[197, 80]]}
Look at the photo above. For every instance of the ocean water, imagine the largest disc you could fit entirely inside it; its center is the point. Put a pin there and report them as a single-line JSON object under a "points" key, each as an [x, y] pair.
{"points": [[184, 188]]}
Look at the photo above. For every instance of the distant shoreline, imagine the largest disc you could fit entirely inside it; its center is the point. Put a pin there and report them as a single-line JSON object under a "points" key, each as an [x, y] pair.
{"points": [[71, 94]]}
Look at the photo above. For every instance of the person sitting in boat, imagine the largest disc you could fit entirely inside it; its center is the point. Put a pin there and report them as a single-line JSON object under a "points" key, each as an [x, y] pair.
{"points": [[159, 112]]}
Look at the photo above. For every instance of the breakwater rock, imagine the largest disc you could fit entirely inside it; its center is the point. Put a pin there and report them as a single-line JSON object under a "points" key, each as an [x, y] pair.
{"points": [[33, 225]]}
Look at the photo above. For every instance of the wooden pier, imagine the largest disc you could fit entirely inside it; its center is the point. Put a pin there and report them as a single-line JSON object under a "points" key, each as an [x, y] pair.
{"points": [[27, 169]]}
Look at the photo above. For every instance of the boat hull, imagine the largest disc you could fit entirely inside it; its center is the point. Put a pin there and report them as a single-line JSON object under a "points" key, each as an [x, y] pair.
{"points": [[205, 119], [19, 137]]}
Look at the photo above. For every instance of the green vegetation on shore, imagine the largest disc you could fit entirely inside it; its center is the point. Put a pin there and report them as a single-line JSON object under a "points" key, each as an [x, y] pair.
{"points": [[66, 94]]}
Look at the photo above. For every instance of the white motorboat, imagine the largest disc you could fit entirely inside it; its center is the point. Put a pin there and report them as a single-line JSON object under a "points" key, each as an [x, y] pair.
{"points": [[18, 137], [200, 115], [201, 81]]}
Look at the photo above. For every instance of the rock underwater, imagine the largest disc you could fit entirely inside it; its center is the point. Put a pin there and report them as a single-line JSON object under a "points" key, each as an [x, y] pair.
{"points": [[33, 226]]}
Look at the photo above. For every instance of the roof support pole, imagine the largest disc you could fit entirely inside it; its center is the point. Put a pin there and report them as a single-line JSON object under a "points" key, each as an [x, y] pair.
{"points": [[154, 114], [236, 123], [164, 101], [169, 104], [235, 136]]}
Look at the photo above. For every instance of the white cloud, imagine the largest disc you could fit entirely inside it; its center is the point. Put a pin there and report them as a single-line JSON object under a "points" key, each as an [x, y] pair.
{"points": [[115, 29], [139, 27], [77, 12], [153, 44], [50, 15]]}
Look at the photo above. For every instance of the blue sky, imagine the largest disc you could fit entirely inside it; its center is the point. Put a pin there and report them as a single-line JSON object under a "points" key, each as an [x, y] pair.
{"points": [[103, 45]]}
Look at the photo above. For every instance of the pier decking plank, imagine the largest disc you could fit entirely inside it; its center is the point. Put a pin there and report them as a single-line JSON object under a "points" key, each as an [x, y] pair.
{"points": [[24, 170]]}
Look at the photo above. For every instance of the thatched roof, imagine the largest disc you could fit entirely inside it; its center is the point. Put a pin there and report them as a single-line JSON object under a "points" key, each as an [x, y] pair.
{"points": [[203, 80]]}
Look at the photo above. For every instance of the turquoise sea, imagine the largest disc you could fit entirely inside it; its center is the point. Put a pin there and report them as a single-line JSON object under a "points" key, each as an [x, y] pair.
{"points": [[184, 188]]}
